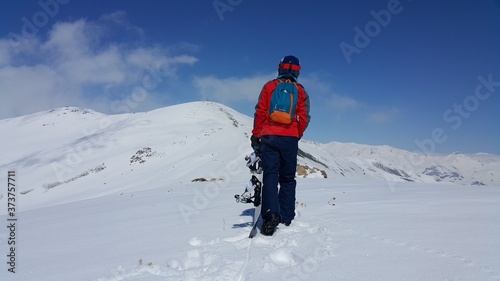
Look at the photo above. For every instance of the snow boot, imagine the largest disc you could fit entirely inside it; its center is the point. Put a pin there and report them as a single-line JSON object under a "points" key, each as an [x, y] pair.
{"points": [[270, 223]]}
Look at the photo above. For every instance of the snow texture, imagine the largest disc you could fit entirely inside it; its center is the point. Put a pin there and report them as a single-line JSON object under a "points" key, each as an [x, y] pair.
{"points": [[112, 197]]}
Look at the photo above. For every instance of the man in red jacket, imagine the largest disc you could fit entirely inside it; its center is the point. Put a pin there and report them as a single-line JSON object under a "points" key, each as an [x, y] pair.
{"points": [[277, 144]]}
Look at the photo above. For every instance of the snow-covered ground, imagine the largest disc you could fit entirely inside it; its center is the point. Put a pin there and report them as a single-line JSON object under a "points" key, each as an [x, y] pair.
{"points": [[196, 231], [112, 198]]}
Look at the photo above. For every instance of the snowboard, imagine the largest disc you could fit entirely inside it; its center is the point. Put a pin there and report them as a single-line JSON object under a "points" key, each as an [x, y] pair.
{"points": [[253, 190], [258, 206]]}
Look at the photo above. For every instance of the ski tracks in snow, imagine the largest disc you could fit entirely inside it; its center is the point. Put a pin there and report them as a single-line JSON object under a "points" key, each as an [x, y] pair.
{"points": [[293, 252]]}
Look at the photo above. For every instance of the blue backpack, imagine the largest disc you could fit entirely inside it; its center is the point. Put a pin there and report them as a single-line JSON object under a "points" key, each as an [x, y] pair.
{"points": [[284, 102]]}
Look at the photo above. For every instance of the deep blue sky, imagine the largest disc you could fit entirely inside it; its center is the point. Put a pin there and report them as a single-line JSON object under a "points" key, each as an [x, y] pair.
{"points": [[410, 80]]}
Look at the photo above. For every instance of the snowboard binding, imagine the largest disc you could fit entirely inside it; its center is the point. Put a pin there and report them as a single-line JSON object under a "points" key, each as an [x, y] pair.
{"points": [[254, 186]]}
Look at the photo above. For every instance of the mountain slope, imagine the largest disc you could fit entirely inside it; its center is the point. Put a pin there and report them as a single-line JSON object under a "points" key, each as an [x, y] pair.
{"points": [[66, 153], [64, 146], [112, 198], [391, 164]]}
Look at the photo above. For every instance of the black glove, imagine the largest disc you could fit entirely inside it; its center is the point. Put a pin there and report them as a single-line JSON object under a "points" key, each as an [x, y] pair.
{"points": [[255, 142]]}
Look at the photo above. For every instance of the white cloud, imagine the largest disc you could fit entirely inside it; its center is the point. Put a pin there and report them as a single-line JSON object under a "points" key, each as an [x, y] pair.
{"points": [[315, 84], [120, 19], [76, 66], [26, 89], [156, 58], [322, 89], [9, 52], [384, 116], [234, 89], [186, 46], [343, 103], [71, 39], [144, 57], [5, 53], [231, 89]]}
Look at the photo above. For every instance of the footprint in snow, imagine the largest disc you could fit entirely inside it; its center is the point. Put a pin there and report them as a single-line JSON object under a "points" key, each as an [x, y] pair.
{"points": [[299, 245]]}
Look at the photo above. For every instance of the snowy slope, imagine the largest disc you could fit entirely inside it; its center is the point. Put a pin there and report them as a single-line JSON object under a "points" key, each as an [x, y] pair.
{"points": [[388, 163], [62, 148], [57, 147], [195, 231], [112, 197]]}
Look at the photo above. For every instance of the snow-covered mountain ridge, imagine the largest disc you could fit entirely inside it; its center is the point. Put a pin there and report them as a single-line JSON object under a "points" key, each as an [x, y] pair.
{"points": [[149, 196], [394, 164], [56, 148]]}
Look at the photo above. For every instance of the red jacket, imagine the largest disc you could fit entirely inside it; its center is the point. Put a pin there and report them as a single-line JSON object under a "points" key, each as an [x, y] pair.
{"points": [[264, 126]]}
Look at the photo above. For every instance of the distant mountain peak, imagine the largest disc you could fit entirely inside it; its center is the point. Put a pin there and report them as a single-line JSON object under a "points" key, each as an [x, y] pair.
{"points": [[194, 140]]}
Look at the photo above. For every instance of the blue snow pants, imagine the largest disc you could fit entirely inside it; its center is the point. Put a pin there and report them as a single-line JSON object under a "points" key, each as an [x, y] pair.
{"points": [[279, 162]]}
